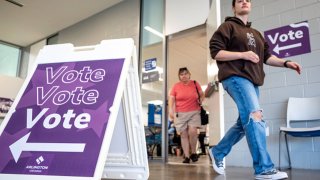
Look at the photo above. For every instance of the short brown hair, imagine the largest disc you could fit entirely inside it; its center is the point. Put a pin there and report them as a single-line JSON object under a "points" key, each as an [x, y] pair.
{"points": [[181, 70]]}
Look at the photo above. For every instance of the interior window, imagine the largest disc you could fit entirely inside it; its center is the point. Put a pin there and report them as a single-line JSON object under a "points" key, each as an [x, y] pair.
{"points": [[9, 59]]}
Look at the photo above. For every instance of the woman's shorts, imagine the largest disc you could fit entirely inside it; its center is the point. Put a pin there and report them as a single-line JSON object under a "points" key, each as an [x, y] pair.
{"points": [[185, 119]]}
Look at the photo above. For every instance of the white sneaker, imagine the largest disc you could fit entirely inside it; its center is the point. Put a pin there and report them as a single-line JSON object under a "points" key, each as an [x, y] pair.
{"points": [[217, 165], [273, 174]]}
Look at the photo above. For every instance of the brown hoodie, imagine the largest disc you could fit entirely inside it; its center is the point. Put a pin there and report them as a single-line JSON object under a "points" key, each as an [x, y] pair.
{"points": [[233, 35]]}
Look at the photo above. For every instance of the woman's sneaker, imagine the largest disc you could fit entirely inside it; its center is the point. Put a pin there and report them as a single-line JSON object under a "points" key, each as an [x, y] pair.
{"points": [[273, 174], [217, 165]]}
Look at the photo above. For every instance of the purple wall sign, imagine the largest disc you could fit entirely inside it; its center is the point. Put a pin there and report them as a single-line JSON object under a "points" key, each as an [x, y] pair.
{"points": [[289, 40], [60, 120]]}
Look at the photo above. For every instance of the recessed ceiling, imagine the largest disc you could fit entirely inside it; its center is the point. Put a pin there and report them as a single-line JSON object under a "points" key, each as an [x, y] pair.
{"points": [[38, 19]]}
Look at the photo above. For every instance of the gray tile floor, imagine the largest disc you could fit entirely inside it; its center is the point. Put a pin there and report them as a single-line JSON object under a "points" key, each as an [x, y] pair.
{"points": [[202, 170]]}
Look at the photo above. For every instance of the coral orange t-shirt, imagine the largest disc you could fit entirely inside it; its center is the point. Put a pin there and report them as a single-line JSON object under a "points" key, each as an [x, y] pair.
{"points": [[186, 96]]}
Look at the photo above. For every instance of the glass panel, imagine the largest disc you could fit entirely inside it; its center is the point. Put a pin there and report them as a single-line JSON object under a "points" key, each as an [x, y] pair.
{"points": [[9, 60], [151, 64]]}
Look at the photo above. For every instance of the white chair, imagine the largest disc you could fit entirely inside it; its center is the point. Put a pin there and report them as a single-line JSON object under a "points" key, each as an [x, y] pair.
{"points": [[303, 110]]}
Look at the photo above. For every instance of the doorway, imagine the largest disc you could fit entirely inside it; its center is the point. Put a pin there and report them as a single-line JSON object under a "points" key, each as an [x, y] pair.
{"points": [[187, 49]]}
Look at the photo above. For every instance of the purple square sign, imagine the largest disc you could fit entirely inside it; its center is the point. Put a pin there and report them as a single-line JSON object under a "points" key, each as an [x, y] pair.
{"points": [[60, 120], [289, 40]]}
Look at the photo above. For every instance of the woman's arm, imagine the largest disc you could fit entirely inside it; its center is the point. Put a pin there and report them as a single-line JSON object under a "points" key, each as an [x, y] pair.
{"points": [[171, 105], [200, 93]]}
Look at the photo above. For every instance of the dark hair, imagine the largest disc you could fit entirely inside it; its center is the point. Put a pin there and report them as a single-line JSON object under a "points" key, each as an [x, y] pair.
{"points": [[181, 70]]}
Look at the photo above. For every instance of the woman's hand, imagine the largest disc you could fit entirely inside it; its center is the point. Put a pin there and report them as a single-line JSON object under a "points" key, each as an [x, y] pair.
{"points": [[171, 115]]}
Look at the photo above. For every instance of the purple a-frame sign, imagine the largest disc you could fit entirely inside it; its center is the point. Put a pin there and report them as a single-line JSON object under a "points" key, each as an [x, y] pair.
{"points": [[61, 123]]}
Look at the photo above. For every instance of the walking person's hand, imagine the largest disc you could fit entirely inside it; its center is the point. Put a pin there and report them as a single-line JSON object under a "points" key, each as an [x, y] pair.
{"points": [[250, 56], [171, 115], [295, 66]]}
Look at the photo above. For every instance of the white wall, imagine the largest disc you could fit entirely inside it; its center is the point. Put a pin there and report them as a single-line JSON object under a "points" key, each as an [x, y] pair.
{"points": [[185, 14], [281, 83], [119, 21], [34, 51]]}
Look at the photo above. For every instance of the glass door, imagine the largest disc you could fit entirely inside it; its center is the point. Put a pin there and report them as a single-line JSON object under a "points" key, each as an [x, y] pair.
{"points": [[152, 75]]}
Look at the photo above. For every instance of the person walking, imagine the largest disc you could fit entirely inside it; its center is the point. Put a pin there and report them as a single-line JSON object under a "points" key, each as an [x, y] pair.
{"points": [[184, 105], [240, 52]]}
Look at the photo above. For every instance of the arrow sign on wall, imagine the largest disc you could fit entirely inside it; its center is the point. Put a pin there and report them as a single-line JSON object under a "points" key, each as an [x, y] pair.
{"points": [[22, 145], [290, 40], [277, 49]]}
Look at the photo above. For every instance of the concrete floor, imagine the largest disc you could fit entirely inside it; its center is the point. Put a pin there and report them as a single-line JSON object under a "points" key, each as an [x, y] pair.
{"points": [[202, 170]]}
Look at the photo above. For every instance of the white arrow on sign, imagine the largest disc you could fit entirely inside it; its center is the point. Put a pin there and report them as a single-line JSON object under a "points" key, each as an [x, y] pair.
{"points": [[22, 145], [277, 49]]}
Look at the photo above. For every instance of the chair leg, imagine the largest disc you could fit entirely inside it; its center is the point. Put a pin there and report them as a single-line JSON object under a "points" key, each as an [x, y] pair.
{"points": [[279, 150], [288, 150]]}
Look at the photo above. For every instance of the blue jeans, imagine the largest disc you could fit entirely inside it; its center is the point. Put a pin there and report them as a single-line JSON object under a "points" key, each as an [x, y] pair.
{"points": [[246, 96]]}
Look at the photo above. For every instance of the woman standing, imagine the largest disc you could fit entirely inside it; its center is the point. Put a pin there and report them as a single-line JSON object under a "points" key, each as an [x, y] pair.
{"points": [[184, 104], [241, 53]]}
